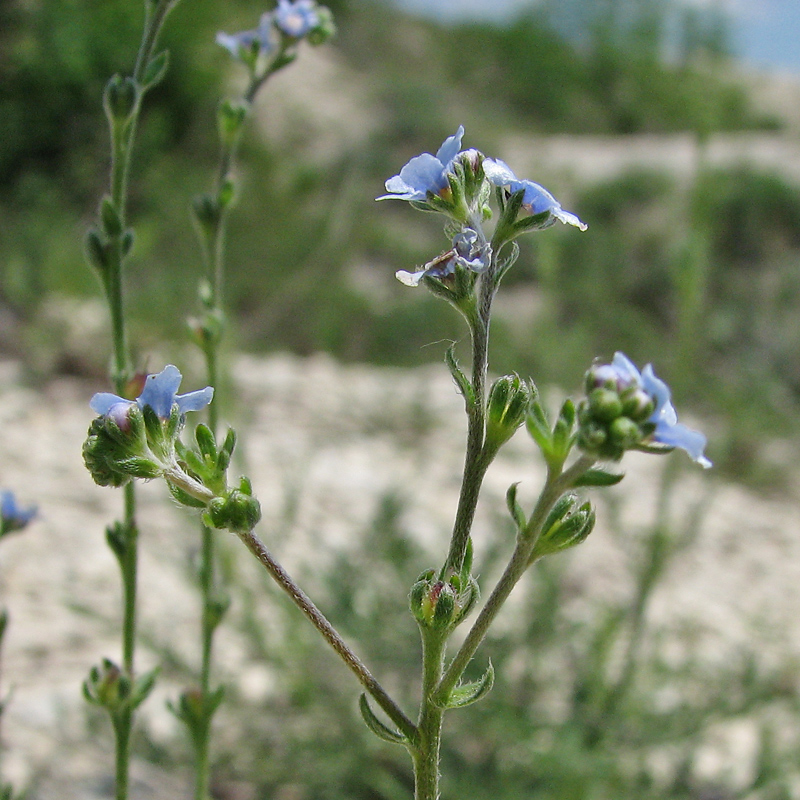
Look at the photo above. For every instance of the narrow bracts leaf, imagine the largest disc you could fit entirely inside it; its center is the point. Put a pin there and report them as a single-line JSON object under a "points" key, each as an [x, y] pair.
{"points": [[598, 477], [470, 693], [462, 382], [156, 70], [515, 509], [376, 726]]}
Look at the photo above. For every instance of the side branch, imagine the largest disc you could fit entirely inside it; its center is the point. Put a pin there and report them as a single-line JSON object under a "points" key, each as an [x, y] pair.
{"points": [[318, 620]]}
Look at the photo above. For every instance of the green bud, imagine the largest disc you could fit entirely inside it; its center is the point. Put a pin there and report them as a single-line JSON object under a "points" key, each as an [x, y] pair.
{"points": [[120, 99], [234, 511], [509, 400], [567, 525], [605, 404], [107, 686], [624, 432]]}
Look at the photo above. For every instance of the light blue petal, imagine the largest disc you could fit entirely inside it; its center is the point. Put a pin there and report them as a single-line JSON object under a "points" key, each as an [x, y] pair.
{"points": [[194, 401], [450, 147], [664, 411], [102, 402], [498, 172], [678, 435], [159, 391], [626, 369], [422, 174]]}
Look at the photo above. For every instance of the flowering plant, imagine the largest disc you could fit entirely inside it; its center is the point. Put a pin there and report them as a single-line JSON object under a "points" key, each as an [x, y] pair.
{"points": [[140, 438]]}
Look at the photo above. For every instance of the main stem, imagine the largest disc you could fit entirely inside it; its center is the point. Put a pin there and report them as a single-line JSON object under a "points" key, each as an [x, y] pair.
{"points": [[474, 463], [426, 754]]}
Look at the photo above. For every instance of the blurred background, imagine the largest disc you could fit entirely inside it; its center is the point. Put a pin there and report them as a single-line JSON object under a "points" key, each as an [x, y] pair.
{"points": [[671, 127]]}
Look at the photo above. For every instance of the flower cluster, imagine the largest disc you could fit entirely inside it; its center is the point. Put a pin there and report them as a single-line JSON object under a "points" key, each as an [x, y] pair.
{"points": [[137, 438], [290, 22], [458, 183], [12, 516], [626, 409]]}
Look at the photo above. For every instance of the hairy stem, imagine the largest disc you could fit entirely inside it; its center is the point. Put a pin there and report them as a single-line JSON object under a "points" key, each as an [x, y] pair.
{"points": [[330, 634]]}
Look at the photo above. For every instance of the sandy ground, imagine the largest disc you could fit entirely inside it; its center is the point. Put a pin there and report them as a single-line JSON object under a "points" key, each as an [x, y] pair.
{"points": [[348, 435]]}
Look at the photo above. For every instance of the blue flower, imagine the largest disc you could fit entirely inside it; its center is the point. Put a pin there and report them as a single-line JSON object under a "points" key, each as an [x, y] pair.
{"points": [[159, 393], [668, 431], [12, 517], [469, 251], [536, 199], [241, 45], [425, 173], [296, 18]]}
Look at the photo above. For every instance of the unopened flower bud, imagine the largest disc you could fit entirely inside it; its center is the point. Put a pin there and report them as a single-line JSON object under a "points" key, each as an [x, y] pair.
{"points": [[120, 99], [509, 400]]}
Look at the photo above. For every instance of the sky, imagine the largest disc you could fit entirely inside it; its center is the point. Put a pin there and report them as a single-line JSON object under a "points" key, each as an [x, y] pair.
{"points": [[766, 32]]}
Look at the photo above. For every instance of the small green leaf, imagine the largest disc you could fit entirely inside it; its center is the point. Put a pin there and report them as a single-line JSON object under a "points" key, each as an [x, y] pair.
{"points": [[462, 382], [156, 70], [470, 693], [598, 477], [109, 216], [517, 514], [376, 726]]}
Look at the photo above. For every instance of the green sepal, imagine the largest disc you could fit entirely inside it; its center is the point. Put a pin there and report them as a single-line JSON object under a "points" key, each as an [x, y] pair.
{"points": [[506, 264], [376, 726], [563, 432], [536, 222], [152, 425], [538, 426], [97, 250], [466, 564], [184, 498], [126, 242], [469, 693], [216, 609], [3, 623], [139, 467], [117, 537], [142, 687], [226, 451], [598, 477], [461, 380], [206, 442], [156, 70], [110, 218], [515, 509]]}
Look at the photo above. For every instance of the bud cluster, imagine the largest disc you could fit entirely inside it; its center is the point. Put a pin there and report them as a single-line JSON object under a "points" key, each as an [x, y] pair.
{"points": [[615, 414]]}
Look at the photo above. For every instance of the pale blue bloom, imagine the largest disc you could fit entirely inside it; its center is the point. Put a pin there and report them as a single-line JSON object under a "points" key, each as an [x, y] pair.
{"points": [[668, 430], [536, 199], [425, 173], [469, 251], [240, 45], [159, 393], [12, 517], [296, 18]]}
